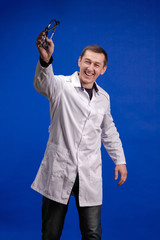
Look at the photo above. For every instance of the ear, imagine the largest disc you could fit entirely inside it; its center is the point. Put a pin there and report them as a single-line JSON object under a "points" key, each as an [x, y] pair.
{"points": [[79, 61], [103, 70]]}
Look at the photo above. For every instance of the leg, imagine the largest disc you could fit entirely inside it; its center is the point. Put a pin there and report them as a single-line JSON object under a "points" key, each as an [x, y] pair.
{"points": [[89, 218], [90, 222], [53, 215]]}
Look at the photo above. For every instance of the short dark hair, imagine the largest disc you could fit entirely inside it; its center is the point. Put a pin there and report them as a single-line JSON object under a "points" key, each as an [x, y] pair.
{"points": [[97, 49]]}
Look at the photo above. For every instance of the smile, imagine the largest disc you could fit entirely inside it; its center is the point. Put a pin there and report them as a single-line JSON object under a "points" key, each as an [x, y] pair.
{"points": [[88, 74]]}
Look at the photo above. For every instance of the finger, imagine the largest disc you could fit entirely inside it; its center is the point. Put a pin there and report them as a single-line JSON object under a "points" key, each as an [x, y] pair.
{"points": [[40, 40], [122, 180], [120, 183], [49, 41], [39, 45], [40, 36], [116, 174]]}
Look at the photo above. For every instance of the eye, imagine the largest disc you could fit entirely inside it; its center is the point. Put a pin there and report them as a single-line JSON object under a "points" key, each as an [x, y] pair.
{"points": [[87, 61], [96, 65]]}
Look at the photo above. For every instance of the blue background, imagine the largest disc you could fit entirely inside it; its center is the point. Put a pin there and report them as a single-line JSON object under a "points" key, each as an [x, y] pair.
{"points": [[130, 33]]}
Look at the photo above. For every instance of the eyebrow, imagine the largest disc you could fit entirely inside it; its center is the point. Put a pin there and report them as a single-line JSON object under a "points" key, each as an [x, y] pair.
{"points": [[88, 59]]}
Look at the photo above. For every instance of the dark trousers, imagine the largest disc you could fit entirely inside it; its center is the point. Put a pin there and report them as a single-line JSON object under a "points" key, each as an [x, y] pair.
{"points": [[53, 216]]}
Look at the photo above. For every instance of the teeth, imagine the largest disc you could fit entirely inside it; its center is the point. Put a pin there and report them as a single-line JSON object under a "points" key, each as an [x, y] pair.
{"points": [[89, 74]]}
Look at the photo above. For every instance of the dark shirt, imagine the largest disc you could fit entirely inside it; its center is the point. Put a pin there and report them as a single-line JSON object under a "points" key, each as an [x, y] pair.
{"points": [[90, 91]]}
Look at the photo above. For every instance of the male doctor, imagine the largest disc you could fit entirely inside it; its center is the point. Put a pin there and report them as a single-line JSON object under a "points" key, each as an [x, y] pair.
{"points": [[80, 120]]}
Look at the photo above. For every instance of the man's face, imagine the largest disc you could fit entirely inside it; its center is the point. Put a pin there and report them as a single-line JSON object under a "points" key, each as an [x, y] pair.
{"points": [[91, 66]]}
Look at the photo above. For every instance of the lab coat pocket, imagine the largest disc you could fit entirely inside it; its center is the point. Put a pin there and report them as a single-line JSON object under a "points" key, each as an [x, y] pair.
{"points": [[56, 185], [58, 158]]}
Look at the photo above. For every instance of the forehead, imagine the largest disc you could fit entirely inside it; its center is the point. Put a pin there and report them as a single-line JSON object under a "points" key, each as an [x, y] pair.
{"points": [[94, 57]]}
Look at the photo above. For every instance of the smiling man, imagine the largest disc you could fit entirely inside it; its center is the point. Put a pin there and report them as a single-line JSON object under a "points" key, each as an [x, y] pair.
{"points": [[80, 120], [91, 64]]}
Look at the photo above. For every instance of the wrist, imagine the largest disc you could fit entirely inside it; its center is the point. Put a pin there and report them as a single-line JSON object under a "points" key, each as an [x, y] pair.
{"points": [[44, 62]]}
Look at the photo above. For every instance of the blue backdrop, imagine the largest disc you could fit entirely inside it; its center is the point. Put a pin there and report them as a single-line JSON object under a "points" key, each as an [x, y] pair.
{"points": [[130, 33]]}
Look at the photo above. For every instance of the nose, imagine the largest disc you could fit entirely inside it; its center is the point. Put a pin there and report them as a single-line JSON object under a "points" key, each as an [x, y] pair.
{"points": [[91, 67]]}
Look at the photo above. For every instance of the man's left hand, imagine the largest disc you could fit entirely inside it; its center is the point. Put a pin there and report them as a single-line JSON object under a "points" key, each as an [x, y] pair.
{"points": [[121, 168]]}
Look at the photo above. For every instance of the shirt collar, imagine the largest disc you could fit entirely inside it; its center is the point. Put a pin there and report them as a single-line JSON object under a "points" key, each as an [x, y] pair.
{"points": [[77, 83]]}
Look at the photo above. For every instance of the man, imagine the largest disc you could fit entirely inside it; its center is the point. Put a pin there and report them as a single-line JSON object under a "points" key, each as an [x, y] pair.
{"points": [[80, 119]]}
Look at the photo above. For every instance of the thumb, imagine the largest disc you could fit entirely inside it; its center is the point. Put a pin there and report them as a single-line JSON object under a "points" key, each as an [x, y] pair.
{"points": [[116, 174], [50, 44], [49, 41]]}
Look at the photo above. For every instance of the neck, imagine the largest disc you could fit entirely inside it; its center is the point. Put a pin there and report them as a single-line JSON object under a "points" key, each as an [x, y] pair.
{"points": [[88, 86]]}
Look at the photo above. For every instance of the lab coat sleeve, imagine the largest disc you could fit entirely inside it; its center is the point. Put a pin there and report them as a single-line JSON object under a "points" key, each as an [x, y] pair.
{"points": [[111, 140], [45, 82]]}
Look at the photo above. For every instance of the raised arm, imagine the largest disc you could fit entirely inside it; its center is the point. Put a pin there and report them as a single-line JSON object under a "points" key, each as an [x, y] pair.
{"points": [[44, 80]]}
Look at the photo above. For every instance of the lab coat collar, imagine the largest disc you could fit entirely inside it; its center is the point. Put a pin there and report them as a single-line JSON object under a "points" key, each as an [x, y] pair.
{"points": [[77, 83]]}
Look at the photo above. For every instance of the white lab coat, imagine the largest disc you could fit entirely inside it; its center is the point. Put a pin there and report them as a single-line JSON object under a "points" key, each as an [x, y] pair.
{"points": [[77, 127]]}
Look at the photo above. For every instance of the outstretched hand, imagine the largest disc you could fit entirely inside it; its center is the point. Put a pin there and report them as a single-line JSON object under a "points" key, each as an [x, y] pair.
{"points": [[121, 168], [45, 54]]}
